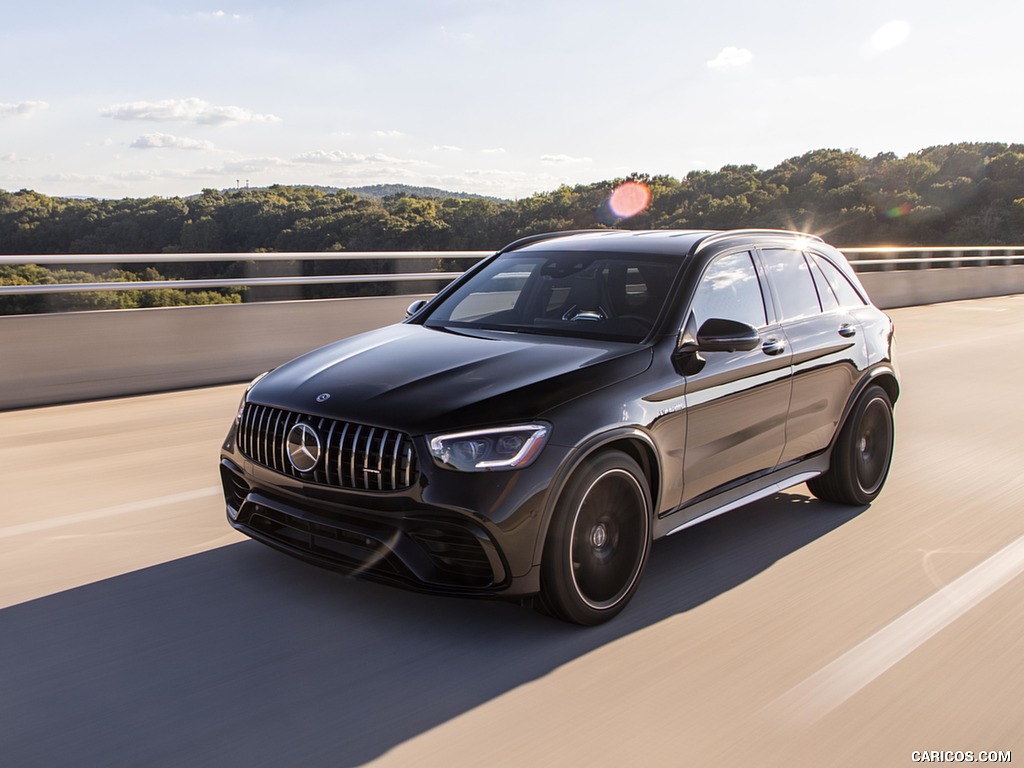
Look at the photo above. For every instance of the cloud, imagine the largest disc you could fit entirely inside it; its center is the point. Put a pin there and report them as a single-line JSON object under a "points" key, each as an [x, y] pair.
{"points": [[151, 175], [563, 159], [446, 148], [322, 157], [388, 134], [166, 141], [251, 165], [21, 109], [731, 58], [13, 158], [184, 111], [494, 151], [890, 35]]}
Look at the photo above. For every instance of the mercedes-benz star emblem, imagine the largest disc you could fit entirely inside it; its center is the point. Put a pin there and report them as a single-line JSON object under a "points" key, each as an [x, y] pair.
{"points": [[303, 447], [324, 397]]}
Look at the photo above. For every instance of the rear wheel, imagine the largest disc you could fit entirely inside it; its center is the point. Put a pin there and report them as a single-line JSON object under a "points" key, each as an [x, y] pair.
{"points": [[862, 454], [598, 542]]}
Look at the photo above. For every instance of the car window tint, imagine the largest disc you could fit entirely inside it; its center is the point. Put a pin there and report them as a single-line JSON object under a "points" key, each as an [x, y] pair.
{"points": [[613, 296], [729, 289], [825, 294], [843, 288], [793, 283], [498, 292]]}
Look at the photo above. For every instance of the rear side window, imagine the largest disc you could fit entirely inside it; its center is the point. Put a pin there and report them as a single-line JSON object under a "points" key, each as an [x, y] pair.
{"points": [[791, 277], [729, 289], [841, 286]]}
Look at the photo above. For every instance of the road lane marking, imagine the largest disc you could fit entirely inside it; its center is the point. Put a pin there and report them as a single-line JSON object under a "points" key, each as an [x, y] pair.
{"points": [[122, 509], [839, 680]]}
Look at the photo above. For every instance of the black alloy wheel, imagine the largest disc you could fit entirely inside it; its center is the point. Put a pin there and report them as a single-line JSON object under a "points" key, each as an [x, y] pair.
{"points": [[862, 455], [599, 541]]}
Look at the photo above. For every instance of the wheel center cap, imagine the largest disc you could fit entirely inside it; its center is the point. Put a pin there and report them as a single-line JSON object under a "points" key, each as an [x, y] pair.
{"points": [[598, 536]]}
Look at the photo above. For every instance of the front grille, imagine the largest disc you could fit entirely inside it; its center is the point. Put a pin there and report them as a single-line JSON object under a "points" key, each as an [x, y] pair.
{"points": [[352, 456]]}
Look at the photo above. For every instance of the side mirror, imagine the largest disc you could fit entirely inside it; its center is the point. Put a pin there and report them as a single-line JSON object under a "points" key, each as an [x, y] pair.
{"points": [[720, 335], [415, 307]]}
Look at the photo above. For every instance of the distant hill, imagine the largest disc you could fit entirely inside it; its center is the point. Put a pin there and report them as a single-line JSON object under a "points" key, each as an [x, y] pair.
{"points": [[380, 191]]}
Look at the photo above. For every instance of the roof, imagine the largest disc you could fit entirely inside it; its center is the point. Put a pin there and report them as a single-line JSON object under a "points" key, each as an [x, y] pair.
{"points": [[677, 242]]}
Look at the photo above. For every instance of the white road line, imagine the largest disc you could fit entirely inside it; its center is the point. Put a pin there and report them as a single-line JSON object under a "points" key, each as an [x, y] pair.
{"points": [[838, 681], [122, 509]]}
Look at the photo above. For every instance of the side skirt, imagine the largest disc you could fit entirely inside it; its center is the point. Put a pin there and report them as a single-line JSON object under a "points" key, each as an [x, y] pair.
{"points": [[768, 485]]}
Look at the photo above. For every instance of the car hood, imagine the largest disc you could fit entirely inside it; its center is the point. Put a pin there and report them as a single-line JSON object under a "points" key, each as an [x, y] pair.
{"points": [[422, 380]]}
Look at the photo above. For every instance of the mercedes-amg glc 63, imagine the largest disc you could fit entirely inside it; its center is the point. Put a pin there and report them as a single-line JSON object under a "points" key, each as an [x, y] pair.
{"points": [[531, 429]]}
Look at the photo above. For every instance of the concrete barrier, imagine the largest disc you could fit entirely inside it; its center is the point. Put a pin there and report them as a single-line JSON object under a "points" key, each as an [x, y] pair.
{"points": [[47, 359], [914, 287]]}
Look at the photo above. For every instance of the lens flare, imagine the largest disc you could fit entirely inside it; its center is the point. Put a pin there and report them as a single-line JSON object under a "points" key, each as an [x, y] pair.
{"points": [[898, 211], [629, 199]]}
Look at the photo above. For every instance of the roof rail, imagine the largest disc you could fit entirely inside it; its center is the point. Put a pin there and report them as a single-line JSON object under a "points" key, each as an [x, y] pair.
{"points": [[710, 239], [530, 239]]}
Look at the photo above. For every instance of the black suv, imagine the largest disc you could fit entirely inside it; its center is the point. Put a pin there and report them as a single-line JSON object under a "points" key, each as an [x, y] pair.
{"points": [[533, 427]]}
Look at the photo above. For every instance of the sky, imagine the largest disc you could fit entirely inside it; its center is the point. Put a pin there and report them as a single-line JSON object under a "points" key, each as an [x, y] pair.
{"points": [[507, 98]]}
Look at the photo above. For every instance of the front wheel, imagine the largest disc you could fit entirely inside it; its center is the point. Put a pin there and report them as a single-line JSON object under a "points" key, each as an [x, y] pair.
{"points": [[862, 454], [598, 542]]}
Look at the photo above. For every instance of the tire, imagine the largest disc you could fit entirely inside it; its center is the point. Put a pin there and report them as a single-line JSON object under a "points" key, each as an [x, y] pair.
{"points": [[862, 454], [598, 542]]}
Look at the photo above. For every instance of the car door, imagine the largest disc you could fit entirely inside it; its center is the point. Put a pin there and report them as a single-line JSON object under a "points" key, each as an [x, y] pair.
{"points": [[827, 347], [736, 403]]}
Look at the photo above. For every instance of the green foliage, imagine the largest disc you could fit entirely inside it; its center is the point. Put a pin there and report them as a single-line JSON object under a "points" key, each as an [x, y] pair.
{"points": [[33, 274], [957, 194]]}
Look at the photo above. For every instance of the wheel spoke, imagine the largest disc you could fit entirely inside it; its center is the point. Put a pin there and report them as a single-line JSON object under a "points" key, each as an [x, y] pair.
{"points": [[609, 538]]}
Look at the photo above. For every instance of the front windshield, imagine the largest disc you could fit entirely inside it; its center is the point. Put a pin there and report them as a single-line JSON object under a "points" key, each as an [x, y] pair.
{"points": [[613, 296]]}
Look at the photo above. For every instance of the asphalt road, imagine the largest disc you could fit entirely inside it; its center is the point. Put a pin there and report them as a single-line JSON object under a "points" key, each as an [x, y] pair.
{"points": [[137, 629]]}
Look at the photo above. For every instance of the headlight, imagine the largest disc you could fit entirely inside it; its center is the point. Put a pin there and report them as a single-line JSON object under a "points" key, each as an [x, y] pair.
{"points": [[490, 449]]}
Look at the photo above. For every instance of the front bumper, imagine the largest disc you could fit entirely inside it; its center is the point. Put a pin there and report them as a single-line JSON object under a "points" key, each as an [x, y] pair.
{"points": [[467, 534]]}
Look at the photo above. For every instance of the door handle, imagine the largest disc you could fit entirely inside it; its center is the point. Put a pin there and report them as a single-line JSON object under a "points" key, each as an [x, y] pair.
{"points": [[773, 346], [846, 330]]}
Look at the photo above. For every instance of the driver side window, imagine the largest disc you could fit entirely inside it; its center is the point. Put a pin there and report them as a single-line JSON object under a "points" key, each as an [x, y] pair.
{"points": [[729, 289]]}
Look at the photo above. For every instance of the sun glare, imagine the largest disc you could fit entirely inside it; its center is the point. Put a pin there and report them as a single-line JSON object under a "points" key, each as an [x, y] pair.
{"points": [[629, 199]]}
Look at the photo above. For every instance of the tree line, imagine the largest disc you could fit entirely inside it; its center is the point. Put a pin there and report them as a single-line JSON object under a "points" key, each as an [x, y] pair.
{"points": [[956, 194]]}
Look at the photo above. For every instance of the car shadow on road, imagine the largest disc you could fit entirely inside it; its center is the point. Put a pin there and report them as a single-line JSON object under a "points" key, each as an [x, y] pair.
{"points": [[244, 656]]}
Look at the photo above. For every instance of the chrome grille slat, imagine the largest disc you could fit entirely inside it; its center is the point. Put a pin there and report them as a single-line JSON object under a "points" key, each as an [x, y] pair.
{"points": [[341, 455], [394, 460], [261, 444], [289, 422], [327, 452], [353, 456], [355, 442], [273, 440], [367, 451], [320, 470]]}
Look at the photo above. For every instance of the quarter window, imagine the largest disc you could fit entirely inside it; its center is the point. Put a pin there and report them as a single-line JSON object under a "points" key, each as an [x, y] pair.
{"points": [[729, 289], [844, 290], [794, 286], [828, 299]]}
